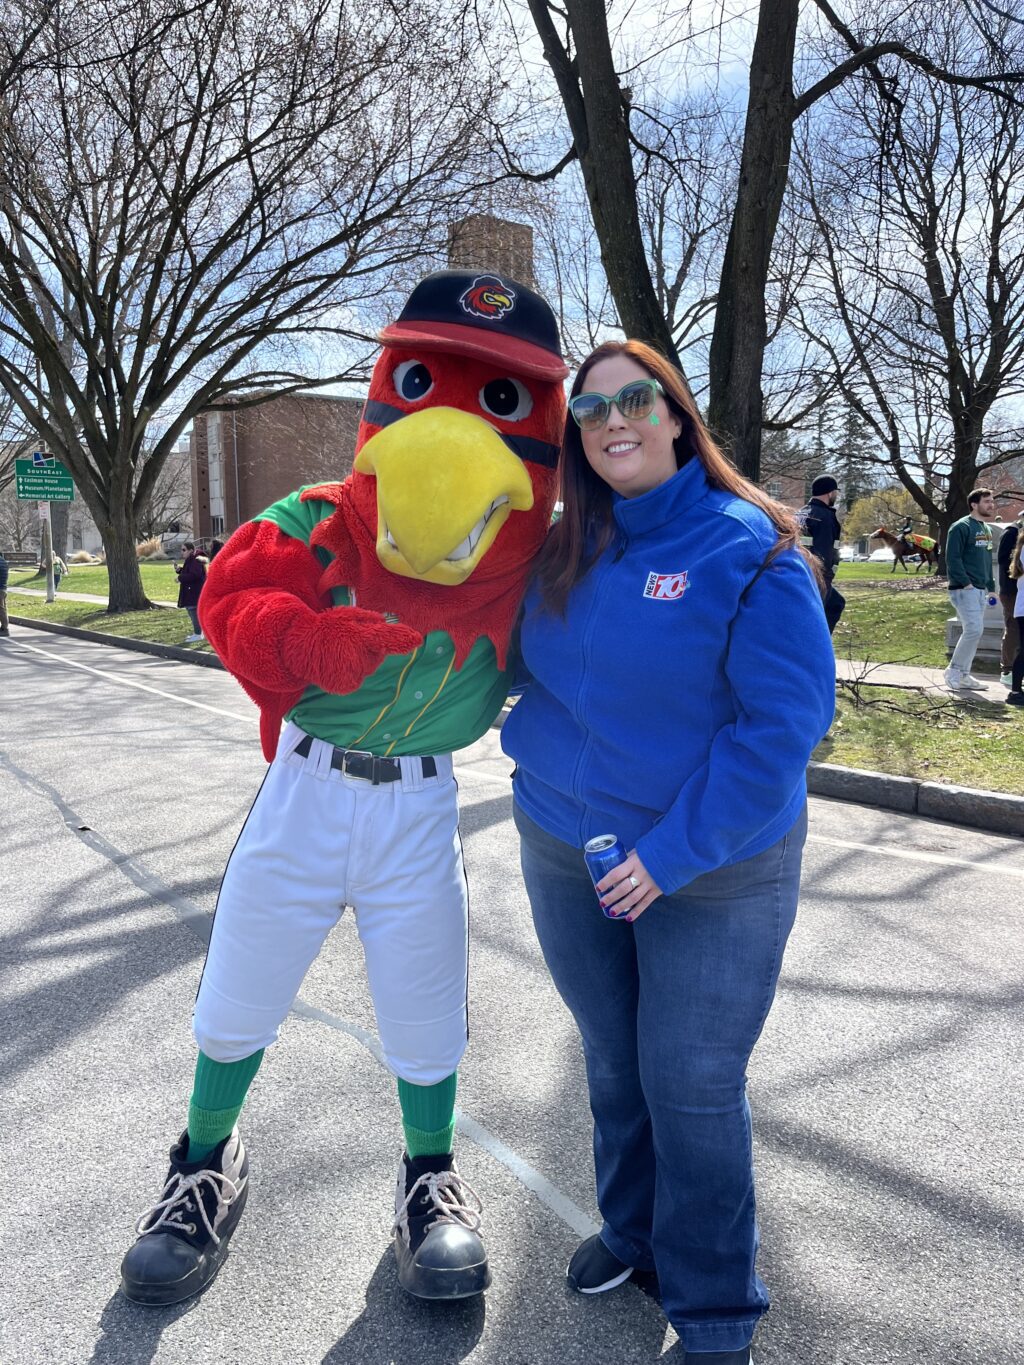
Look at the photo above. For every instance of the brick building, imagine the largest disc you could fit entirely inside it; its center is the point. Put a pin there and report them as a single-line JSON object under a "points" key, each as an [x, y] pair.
{"points": [[1007, 482], [245, 458]]}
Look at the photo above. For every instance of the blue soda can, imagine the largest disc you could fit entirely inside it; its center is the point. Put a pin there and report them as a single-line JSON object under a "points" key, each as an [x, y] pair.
{"points": [[601, 855]]}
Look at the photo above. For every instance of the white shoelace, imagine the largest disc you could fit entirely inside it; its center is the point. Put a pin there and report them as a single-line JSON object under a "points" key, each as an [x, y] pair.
{"points": [[447, 1191], [180, 1195]]}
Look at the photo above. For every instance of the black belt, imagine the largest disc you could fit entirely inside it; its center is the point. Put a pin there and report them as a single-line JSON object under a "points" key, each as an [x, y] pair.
{"points": [[371, 767]]}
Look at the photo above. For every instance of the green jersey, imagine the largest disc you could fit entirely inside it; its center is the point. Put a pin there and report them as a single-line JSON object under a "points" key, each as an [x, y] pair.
{"points": [[414, 703]]}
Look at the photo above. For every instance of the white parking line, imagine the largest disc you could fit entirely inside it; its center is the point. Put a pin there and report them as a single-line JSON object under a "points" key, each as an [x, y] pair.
{"points": [[139, 687], [914, 856]]}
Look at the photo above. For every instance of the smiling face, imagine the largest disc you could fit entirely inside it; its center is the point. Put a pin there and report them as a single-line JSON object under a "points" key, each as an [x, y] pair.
{"points": [[631, 456]]}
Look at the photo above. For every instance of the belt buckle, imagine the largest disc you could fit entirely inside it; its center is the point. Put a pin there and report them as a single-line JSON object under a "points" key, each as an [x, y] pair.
{"points": [[362, 753]]}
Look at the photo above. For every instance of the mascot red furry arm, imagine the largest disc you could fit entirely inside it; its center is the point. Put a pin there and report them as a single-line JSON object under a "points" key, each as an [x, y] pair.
{"points": [[262, 611]]}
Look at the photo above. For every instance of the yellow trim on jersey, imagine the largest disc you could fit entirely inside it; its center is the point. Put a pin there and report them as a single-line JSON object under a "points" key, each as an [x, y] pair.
{"points": [[451, 665], [391, 703]]}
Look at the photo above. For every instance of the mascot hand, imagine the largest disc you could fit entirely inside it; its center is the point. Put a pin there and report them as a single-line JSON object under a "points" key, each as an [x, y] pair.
{"points": [[338, 649]]}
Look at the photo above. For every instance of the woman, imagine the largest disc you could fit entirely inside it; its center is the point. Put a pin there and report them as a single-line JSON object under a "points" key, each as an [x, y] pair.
{"points": [[681, 674], [1015, 696], [191, 577]]}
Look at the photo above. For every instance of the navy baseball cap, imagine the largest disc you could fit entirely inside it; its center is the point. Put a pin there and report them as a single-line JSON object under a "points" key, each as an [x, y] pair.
{"points": [[485, 315]]}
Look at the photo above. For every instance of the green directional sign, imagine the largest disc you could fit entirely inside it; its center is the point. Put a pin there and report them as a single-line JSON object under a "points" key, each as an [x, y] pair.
{"points": [[43, 479]]}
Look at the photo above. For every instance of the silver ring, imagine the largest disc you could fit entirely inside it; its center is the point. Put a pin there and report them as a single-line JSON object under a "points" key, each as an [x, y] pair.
{"points": [[634, 881]]}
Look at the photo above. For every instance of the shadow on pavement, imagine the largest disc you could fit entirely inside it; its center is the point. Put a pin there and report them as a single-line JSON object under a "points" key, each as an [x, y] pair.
{"points": [[394, 1328], [131, 1332]]}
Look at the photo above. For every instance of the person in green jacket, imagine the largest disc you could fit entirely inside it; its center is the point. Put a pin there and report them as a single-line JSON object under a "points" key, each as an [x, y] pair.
{"points": [[969, 574]]}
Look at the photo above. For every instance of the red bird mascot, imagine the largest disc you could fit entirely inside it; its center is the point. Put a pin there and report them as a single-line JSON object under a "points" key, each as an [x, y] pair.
{"points": [[373, 618]]}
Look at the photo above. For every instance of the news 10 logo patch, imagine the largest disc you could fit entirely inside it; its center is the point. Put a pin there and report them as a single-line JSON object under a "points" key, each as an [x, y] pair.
{"points": [[667, 587]]}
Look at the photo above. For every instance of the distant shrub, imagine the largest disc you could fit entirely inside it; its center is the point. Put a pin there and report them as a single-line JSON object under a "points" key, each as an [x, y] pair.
{"points": [[82, 557], [146, 549]]}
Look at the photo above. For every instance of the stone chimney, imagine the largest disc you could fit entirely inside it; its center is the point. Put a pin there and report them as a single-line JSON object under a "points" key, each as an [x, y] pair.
{"points": [[483, 242]]}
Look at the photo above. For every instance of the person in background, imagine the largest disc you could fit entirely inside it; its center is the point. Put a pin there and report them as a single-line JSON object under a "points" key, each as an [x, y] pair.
{"points": [[191, 577], [820, 533], [5, 625], [969, 575], [216, 545], [1008, 599], [1015, 696], [60, 570], [667, 704]]}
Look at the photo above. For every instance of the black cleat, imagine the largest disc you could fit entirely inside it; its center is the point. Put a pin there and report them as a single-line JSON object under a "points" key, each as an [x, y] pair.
{"points": [[437, 1231], [183, 1238], [594, 1269]]}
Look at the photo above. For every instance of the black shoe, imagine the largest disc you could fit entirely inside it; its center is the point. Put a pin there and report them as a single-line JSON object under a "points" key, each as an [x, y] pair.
{"points": [[183, 1238], [1015, 698], [437, 1231], [594, 1269], [721, 1358]]}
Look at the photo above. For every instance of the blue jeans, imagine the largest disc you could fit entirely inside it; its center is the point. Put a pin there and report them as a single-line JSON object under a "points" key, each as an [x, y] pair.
{"points": [[969, 605], [669, 1011]]}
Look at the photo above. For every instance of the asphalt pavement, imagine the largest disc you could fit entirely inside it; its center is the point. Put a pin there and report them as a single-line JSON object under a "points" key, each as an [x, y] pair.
{"points": [[886, 1089]]}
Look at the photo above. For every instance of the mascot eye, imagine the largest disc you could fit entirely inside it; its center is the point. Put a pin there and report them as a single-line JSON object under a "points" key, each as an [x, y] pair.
{"points": [[507, 399], [412, 380]]}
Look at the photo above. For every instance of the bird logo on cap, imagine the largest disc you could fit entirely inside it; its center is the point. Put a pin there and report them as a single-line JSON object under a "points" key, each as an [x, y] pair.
{"points": [[488, 297]]}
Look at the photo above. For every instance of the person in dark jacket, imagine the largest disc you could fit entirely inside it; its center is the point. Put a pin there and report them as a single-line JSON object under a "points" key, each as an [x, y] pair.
{"points": [[191, 577], [820, 531], [5, 625], [666, 704], [1008, 600]]}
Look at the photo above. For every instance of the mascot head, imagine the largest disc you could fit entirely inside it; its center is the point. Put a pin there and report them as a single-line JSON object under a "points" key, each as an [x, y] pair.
{"points": [[459, 439]]}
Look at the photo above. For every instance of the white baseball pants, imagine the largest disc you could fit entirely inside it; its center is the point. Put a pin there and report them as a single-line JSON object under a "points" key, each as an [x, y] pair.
{"points": [[315, 841]]}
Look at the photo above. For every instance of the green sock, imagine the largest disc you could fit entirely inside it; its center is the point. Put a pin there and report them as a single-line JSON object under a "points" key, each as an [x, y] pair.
{"points": [[218, 1094], [428, 1116]]}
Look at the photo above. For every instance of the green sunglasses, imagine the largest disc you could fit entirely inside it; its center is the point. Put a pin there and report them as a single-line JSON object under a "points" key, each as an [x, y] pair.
{"points": [[634, 400]]}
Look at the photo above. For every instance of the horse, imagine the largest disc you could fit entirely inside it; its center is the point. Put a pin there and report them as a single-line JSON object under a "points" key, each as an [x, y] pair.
{"points": [[905, 545]]}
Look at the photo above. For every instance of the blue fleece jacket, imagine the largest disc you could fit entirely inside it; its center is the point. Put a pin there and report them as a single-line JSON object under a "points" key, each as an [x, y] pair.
{"points": [[679, 701]]}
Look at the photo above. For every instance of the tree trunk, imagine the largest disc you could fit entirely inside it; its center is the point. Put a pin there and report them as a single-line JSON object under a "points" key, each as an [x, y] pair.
{"points": [[599, 119], [735, 404], [59, 527], [126, 590]]}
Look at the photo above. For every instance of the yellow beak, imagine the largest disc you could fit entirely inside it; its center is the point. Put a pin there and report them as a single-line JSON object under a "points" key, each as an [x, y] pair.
{"points": [[446, 484]]}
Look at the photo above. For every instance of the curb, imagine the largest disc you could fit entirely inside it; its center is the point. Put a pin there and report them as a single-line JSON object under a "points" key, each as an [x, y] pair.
{"points": [[183, 656], [995, 812]]}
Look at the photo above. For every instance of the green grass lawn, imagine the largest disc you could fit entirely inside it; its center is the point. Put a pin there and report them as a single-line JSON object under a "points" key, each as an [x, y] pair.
{"points": [[849, 573], [885, 625], [969, 743], [159, 580], [162, 625]]}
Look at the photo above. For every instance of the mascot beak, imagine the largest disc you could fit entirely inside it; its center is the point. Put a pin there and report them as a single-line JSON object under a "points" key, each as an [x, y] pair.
{"points": [[446, 484]]}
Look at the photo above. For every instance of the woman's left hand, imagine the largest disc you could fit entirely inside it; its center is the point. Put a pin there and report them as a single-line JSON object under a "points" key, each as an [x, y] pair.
{"points": [[628, 889]]}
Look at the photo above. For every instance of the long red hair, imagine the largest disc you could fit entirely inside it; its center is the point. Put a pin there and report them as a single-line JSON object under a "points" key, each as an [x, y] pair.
{"points": [[587, 499]]}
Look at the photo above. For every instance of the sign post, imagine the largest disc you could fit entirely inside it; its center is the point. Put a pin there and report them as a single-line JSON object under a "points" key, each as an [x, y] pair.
{"points": [[44, 480], [47, 540]]}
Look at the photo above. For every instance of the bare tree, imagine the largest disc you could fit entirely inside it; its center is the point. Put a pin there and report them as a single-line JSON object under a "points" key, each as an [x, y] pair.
{"points": [[578, 49], [191, 207], [170, 498], [920, 211]]}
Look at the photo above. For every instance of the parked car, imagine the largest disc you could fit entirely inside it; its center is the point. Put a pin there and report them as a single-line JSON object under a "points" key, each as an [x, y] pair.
{"points": [[882, 556]]}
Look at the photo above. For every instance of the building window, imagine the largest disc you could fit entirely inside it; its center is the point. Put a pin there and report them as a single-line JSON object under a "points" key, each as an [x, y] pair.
{"points": [[774, 488], [217, 525]]}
